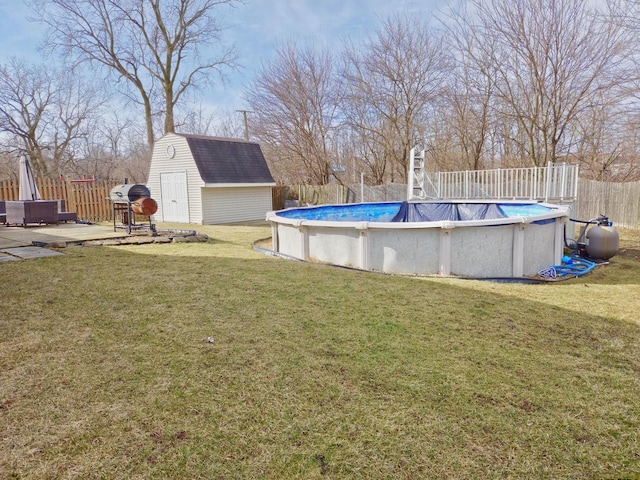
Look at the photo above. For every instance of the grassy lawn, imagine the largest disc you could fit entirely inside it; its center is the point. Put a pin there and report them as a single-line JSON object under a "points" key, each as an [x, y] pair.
{"points": [[314, 371]]}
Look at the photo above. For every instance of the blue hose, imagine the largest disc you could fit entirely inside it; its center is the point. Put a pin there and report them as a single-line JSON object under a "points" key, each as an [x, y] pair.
{"points": [[572, 265]]}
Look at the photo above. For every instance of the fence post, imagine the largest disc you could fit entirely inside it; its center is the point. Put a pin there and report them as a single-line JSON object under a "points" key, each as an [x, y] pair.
{"points": [[548, 183], [72, 204], [563, 192], [466, 184]]}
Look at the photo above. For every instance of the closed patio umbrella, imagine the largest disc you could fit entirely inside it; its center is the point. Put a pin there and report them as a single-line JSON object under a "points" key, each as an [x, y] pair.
{"points": [[28, 189]]}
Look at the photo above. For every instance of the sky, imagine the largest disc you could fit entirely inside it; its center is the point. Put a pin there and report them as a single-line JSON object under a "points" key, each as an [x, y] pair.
{"points": [[256, 28]]}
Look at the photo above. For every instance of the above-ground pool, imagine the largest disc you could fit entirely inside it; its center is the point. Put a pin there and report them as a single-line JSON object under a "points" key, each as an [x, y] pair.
{"points": [[468, 239]]}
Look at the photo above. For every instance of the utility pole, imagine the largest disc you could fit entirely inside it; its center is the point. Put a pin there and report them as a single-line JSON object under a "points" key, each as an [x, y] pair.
{"points": [[246, 125]]}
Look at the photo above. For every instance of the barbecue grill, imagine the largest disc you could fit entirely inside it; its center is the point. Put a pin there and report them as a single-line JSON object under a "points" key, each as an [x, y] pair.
{"points": [[129, 200]]}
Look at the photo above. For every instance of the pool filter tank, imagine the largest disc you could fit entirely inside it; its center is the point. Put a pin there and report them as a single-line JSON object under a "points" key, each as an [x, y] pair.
{"points": [[598, 239], [602, 241]]}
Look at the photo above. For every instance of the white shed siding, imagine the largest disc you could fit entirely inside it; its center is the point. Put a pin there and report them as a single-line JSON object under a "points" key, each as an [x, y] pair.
{"points": [[182, 161], [235, 204]]}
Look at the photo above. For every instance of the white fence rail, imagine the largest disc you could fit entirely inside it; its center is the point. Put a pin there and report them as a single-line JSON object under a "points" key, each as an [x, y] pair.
{"points": [[557, 182]]}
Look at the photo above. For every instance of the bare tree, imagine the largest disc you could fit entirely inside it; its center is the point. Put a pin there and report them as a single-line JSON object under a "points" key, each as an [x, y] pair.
{"points": [[26, 99], [105, 150], [44, 112], [136, 164], [607, 144], [469, 106], [200, 119], [9, 168], [550, 56], [625, 14], [197, 120], [154, 46], [294, 100], [391, 83]]}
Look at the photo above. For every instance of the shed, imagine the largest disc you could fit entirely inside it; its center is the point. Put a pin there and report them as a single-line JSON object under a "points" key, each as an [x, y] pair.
{"points": [[209, 180]]}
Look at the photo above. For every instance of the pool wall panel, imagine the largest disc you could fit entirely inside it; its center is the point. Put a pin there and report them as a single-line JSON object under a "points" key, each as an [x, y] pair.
{"points": [[482, 251], [539, 247], [289, 241], [343, 249], [404, 251]]}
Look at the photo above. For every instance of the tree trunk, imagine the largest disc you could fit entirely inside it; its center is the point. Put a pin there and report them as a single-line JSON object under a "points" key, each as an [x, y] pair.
{"points": [[169, 122]]}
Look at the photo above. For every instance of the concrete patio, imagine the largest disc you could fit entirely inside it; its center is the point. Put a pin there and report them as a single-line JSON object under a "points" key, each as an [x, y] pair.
{"points": [[18, 242]]}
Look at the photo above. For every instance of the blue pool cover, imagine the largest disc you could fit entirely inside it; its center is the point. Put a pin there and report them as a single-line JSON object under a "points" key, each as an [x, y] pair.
{"points": [[414, 212], [433, 212]]}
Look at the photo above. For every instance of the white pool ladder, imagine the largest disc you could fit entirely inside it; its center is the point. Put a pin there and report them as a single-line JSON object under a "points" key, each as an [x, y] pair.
{"points": [[418, 177]]}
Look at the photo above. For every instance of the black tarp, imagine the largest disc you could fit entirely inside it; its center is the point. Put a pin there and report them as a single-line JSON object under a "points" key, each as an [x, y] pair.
{"points": [[435, 212]]}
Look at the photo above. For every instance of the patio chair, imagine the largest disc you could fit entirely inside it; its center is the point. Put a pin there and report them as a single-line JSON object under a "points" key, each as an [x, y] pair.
{"points": [[63, 215], [24, 212]]}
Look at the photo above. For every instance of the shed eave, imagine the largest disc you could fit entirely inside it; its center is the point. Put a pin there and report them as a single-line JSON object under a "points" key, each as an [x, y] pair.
{"points": [[228, 185]]}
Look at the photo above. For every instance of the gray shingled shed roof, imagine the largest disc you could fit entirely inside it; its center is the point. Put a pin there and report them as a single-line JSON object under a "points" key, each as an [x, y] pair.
{"points": [[228, 160]]}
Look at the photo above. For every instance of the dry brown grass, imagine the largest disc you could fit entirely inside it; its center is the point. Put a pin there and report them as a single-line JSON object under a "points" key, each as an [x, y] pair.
{"points": [[611, 291], [315, 372]]}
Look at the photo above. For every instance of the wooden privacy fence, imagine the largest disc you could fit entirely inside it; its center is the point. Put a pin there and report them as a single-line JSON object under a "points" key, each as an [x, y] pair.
{"points": [[278, 196], [90, 200], [302, 195], [618, 201], [310, 195]]}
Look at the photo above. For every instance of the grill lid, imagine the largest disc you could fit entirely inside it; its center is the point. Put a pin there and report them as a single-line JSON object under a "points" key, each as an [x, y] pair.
{"points": [[129, 192]]}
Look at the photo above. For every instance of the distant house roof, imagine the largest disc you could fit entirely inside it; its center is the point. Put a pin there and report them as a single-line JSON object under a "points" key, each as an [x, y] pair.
{"points": [[228, 160]]}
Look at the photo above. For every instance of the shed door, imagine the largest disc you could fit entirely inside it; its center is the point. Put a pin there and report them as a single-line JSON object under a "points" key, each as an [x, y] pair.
{"points": [[175, 204]]}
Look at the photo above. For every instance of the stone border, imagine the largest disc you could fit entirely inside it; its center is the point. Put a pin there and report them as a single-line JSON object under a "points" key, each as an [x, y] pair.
{"points": [[162, 236]]}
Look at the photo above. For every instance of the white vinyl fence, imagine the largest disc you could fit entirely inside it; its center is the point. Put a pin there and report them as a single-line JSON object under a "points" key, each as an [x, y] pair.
{"points": [[557, 182]]}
